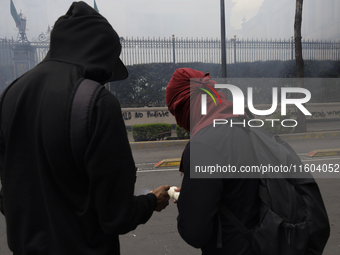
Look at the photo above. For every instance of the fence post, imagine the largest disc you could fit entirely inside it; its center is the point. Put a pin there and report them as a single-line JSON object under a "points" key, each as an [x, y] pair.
{"points": [[173, 53], [292, 48], [234, 48], [23, 58]]}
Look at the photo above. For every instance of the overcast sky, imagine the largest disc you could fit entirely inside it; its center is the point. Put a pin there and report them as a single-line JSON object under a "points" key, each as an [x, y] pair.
{"points": [[154, 18]]}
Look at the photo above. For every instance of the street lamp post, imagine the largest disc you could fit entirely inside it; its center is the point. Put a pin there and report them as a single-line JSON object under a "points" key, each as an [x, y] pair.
{"points": [[22, 28], [223, 45]]}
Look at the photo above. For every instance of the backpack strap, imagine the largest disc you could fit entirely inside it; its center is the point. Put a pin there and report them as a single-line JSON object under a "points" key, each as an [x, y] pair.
{"points": [[80, 115], [234, 220], [223, 210]]}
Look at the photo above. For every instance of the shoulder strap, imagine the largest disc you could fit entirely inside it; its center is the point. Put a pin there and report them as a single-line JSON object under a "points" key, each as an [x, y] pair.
{"points": [[79, 122], [224, 210], [233, 219]]}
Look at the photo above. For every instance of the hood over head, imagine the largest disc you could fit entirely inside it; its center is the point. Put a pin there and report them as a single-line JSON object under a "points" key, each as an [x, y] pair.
{"points": [[84, 37]]}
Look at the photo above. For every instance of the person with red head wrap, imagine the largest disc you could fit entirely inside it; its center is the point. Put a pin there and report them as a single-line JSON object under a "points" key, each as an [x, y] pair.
{"points": [[198, 203], [183, 94]]}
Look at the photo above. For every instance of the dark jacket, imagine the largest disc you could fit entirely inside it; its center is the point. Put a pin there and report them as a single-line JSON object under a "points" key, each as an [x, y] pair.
{"points": [[51, 206], [202, 193]]}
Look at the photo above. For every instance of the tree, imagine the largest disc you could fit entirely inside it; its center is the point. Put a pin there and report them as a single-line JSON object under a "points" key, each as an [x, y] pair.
{"points": [[145, 85], [301, 118]]}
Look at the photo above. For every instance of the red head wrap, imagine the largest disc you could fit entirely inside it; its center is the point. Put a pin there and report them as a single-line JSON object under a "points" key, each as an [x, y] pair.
{"points": [[182, 95]]}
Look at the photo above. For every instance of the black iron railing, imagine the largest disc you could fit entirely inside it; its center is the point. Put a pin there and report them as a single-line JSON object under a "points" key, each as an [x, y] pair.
{"points": [[188, 50]]}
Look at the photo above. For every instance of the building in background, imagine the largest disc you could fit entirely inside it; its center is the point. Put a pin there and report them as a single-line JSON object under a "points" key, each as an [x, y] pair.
{"points": [[275, 19], [229, 4]]}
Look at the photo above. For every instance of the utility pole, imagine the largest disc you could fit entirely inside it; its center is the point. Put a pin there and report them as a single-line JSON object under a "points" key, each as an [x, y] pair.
{"points": [[301, 118], [223, 45]]}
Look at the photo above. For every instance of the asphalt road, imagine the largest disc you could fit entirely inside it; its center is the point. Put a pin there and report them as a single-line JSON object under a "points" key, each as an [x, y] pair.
{"points": [[159, 235]]}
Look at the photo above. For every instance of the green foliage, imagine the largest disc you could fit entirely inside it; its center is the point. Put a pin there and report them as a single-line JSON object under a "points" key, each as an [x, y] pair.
{"points": [[284, 69], [147, 82], [182, 133], [150, 132], [277, 128], [145, 85]]}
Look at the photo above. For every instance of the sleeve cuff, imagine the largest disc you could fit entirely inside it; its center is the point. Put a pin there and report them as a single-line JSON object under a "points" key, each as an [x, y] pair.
{"points": [[153, 200]]}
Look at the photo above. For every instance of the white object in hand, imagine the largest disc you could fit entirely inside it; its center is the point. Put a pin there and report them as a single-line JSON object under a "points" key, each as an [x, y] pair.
{"points": [[172, 193]]}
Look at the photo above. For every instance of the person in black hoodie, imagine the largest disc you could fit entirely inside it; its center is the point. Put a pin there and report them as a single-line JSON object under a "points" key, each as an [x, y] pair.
{"points": [[51, 206]]}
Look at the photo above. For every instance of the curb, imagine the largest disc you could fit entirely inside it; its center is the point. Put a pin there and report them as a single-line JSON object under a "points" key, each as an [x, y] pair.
{"points": [[314, 153], [298, 136], [157, 144], [169, 162], [309, 135], [324, 153]]}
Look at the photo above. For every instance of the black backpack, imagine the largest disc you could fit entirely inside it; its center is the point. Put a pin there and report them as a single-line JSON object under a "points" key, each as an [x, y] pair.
{"points": [[293, 219], [82, 105]]}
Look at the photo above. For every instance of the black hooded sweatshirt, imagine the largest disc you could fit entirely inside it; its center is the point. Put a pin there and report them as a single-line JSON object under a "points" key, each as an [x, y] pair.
{"points": [[51, 206]]}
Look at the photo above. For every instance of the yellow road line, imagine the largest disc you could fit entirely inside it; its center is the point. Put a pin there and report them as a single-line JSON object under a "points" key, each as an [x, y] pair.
{"points": [[169, 162], [324, 153]]}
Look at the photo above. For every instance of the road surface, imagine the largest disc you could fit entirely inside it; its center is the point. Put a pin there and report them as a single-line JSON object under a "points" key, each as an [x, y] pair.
{"points": [[159, 236]]}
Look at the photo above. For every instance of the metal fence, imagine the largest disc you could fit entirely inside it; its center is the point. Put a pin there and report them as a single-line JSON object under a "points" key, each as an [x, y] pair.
{"points": [[42, 45], [6, 52], [180, 50]]}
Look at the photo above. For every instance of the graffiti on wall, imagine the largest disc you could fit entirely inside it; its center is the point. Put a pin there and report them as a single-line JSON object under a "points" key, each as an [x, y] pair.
{"points": [[148, 114]]}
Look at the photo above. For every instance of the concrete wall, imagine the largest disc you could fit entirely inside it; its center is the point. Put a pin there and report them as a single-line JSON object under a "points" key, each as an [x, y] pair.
{"points": [[143, 115]]}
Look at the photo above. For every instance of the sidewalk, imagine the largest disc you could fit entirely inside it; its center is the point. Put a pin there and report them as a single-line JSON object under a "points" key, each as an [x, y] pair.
{"points": [[315, 130]]}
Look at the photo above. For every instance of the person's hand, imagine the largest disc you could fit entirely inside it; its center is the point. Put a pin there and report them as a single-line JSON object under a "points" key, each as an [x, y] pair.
{"points": [[177, 190], [162, 197]]}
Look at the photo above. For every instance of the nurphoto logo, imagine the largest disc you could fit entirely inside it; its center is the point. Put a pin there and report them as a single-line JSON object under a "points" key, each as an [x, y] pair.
{"points": [[238, 104]]}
